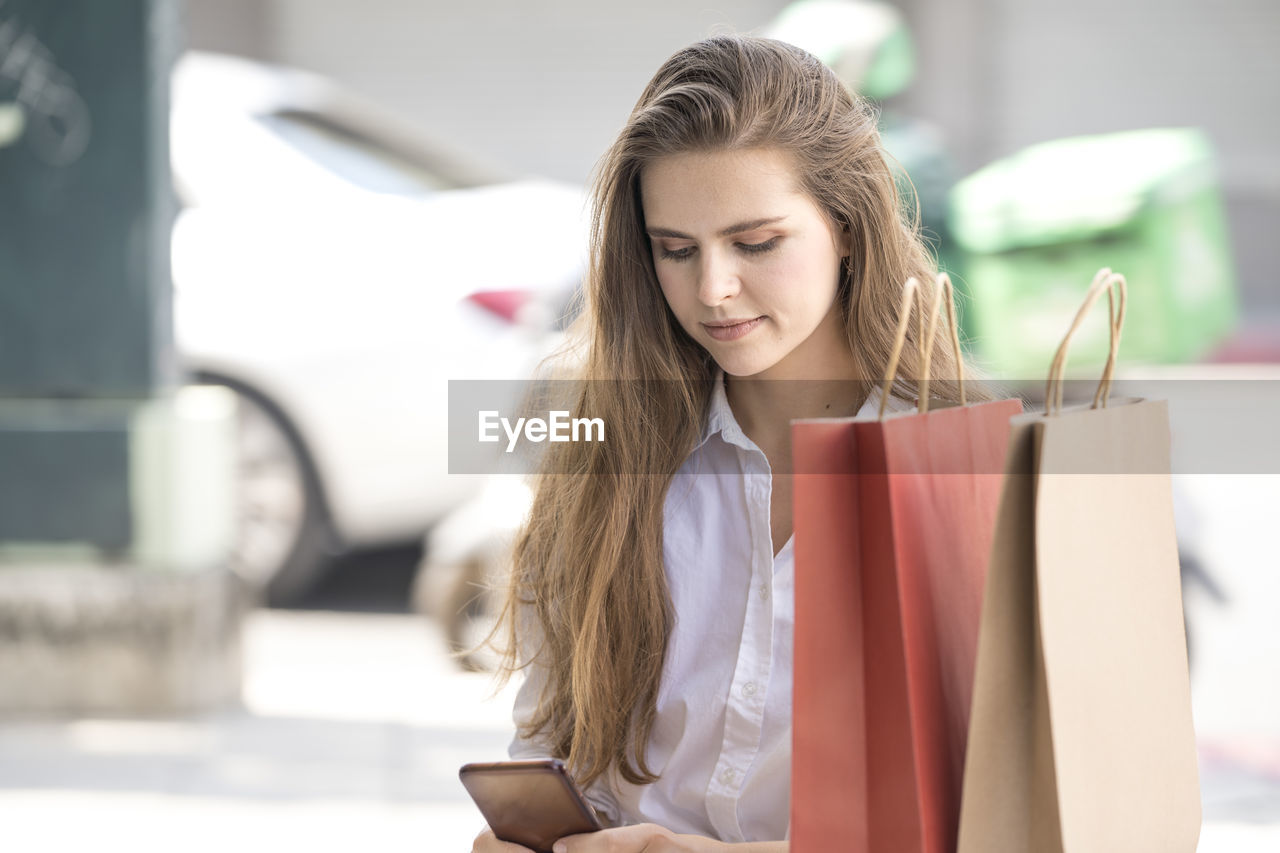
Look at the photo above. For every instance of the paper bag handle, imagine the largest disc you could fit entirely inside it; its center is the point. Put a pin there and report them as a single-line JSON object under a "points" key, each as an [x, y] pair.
{"points": [[1113, 283], [910, 291]]}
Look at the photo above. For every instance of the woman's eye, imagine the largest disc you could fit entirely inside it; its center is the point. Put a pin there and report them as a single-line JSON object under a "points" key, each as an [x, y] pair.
{"points": [[685, 252], [757, 248]]}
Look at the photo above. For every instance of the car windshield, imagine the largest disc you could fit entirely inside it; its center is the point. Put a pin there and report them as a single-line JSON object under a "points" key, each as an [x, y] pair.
{"points": [[353, 158]]}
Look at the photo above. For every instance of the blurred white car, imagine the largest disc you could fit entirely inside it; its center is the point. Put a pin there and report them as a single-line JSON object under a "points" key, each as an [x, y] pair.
{"points": [[337, 270]]}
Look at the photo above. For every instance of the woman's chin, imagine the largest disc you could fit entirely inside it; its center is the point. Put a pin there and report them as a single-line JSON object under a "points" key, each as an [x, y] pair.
{"points": [[743, 368]]}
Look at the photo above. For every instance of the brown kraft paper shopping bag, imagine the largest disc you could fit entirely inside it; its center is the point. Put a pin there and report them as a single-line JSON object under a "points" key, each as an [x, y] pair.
{"points": [[893, 523], [1081, 738]]}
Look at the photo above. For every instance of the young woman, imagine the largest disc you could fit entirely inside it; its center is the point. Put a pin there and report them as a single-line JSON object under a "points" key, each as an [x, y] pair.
{"points": [[749, 251]]}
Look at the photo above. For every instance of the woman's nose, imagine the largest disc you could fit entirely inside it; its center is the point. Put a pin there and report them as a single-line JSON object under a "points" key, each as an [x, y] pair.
{"points": [[717, 279]]}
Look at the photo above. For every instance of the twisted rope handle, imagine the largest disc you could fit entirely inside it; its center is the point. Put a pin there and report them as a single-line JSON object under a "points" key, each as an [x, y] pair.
{"points": [[1117, 294], [944, 287], [925, 341]]}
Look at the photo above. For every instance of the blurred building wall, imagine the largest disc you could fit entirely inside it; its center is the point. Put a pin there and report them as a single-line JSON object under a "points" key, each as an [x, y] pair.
{"points": [[543, 85]]}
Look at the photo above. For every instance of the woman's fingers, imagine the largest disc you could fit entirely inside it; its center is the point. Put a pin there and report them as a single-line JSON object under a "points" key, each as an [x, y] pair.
{"points": [[641, 838], [487, 842]]}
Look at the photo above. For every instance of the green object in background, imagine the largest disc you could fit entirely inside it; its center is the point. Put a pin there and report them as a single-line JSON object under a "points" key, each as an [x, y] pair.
{"points": [[1036, 227], [865, 42], [924, 174], [893, 66]]}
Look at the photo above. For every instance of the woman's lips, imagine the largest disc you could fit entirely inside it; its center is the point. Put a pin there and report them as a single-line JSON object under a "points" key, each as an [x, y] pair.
{"points": [[732, 330]]}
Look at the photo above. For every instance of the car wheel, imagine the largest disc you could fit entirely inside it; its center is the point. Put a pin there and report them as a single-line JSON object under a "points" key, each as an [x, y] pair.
{"points": [[284, 541], [459, 595]]}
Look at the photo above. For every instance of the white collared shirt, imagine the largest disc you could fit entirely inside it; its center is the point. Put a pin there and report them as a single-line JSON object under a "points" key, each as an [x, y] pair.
{"points": [[721, 741]]}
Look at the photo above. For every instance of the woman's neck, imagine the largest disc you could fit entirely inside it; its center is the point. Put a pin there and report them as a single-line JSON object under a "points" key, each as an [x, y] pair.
{"points": [[764, 408]]}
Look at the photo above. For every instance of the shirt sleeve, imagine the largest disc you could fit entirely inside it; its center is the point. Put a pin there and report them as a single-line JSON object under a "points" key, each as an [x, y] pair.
{"points": [[526, 704]]}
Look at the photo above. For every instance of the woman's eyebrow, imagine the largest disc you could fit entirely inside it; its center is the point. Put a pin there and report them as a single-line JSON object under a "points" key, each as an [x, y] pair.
{"points": [[727, 232]]}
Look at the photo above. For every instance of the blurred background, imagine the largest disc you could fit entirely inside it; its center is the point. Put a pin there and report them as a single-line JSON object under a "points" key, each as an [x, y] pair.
{"points": [[246, 245]]}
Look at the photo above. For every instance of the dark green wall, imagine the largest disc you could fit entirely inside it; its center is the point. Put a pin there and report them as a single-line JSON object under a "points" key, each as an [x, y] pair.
{"points": [[85, 198], [86, 208]]}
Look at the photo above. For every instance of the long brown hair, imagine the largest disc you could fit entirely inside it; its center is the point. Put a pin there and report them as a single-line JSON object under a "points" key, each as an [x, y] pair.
{"points": [[589, 566]]}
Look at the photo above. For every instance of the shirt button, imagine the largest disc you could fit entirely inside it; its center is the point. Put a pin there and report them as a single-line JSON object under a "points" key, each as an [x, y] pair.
{"points": [[764, 591], [728, 776], [749, 689]]}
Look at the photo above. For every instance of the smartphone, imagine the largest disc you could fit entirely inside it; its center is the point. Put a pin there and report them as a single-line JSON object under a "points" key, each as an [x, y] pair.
{"points": [[532, 802]]}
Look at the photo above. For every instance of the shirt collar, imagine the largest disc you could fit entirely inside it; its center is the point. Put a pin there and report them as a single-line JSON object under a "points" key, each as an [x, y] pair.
{"points": [[720, 417]]}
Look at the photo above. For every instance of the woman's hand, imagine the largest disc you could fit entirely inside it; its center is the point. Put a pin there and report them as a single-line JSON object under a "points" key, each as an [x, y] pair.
{"points": [[651, 838], [487, 842], [641, 838]]}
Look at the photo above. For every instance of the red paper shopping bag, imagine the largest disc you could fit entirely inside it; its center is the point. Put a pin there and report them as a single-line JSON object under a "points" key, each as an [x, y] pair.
{"points": [[893, 524]]}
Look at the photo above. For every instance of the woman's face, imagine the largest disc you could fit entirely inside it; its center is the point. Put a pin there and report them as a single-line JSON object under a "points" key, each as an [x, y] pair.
{"points": [[748, 263]]}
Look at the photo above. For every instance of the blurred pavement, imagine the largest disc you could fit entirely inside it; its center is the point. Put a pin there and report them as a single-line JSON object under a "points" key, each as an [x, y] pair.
{"points": [[351, 734]]}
